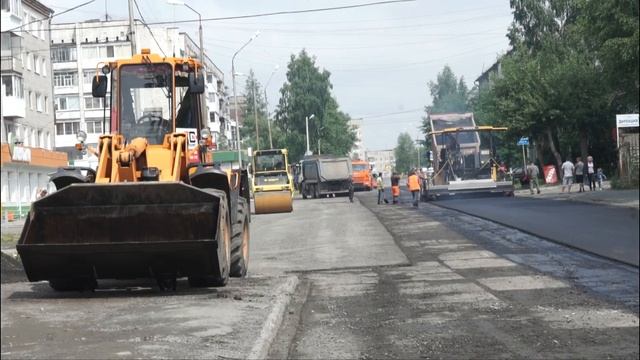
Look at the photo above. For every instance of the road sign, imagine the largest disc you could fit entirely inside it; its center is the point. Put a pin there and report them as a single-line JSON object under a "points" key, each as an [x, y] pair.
{"points": [[523, 141]]}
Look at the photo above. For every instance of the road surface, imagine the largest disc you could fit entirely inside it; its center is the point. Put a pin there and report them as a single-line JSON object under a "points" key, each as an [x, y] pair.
{"points": [[340, 280], [608, 231]]}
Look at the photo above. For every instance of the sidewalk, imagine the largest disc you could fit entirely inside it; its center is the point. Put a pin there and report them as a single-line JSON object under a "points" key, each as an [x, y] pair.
{"points": [[607, 196]]}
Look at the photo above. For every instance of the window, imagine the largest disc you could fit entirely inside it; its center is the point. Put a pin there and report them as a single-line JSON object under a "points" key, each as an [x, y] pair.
{"points": [[39, 104], [67, 128], [92, 103], [12, 6], [88, 76], [211, 97], [32, 100], [209, 78], [90, 52], [94, 126], [36, 64], [67, 103], [40, 139], [43, 69], [65, 79], [29, 61], [13, 86], [106, 51], [46, 106], [63, 54]]}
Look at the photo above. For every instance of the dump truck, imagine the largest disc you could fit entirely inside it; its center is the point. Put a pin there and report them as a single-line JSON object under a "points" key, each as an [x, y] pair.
{"points": [[362, 178], [464, 158], [156, 206], [272, 182], [324, 175]]}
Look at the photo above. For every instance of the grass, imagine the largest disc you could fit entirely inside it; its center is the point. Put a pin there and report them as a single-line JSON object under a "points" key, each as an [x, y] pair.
{"points": [[625, 183]]}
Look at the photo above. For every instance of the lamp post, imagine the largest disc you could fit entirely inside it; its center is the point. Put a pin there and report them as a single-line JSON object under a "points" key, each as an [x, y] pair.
{"points": [[267, 105], [178, 2], [235, 95], [306, 121]]}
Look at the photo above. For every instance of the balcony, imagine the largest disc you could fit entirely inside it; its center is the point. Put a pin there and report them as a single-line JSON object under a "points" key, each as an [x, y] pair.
{"points": [[13, 107], [10, 63]]}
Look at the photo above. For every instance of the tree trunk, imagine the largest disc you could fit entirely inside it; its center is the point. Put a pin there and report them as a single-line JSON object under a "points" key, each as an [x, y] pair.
{"points": [[540, 143], [554, 151], [584, 144]]}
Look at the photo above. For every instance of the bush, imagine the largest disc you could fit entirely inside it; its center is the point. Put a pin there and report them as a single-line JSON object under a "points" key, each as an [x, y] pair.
{"points": [[624, 182]]}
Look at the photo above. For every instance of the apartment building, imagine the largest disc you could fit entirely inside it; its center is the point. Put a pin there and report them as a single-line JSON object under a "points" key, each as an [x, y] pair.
{"points": [[78, 51], [357, 152], [27, 131], [382, 160]]}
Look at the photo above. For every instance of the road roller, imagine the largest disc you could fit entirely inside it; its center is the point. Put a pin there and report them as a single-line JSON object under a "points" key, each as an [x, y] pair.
{"points": [[272, 182]]}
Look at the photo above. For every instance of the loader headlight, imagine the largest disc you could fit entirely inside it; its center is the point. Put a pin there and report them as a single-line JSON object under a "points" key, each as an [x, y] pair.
{"points": [[81, 136], [205, 133]]}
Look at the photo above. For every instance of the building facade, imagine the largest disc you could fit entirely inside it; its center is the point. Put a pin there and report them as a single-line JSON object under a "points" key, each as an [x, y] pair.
{"points": [[382, 160], [357, 152], [78, 50], [27, 131]]}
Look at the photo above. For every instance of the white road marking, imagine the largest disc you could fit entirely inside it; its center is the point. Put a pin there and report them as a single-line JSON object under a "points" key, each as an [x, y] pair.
{"points": [[584, 318]]}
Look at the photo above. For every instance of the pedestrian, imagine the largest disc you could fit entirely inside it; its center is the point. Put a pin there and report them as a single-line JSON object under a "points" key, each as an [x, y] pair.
{"points": [[350, 191], [533, 172], [567, 174], [413, 183], [579, 174], [600, 177], [502, 171], [395, 187], [380, 185], [591, 173]]}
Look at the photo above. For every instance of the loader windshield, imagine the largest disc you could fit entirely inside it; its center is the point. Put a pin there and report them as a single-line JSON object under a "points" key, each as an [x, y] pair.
{"points": [[145, 101]]}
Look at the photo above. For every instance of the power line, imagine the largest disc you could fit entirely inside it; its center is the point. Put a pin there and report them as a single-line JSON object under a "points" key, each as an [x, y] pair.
{"points": [[148, 28], [51, 17], [275, 13]]}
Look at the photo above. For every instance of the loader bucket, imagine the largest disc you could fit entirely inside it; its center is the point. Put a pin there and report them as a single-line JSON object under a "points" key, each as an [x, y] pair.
{"points": [[121, 231], [269, 202]]}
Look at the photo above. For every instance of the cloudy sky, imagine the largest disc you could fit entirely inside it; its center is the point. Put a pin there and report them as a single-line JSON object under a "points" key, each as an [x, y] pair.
{"points": [[380, 57]]}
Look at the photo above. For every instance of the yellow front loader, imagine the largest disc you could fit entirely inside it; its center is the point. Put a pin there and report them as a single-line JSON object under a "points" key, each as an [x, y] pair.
{"points": [[156, 206], [272, 182]]}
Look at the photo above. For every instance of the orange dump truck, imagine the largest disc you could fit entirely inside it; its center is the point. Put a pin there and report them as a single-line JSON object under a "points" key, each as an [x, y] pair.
{"points": [[361, 175]]}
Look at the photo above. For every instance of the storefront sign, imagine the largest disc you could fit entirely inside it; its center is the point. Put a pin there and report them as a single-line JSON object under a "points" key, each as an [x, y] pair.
{"points": [[21, 154], [627, 120]]}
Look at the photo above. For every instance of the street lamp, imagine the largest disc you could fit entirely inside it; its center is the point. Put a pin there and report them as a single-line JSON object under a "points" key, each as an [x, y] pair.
{"points": [[267, 104], [306, 121], [255, 111], [182, 3], [235, 95]]}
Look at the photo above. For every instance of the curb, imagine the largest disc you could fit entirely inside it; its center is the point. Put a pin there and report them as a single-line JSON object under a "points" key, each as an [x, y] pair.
{"points": [[260, 349]]}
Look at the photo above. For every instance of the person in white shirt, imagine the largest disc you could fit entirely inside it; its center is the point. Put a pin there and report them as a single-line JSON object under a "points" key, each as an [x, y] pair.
{"points": [[591, 173], [567, 174]]}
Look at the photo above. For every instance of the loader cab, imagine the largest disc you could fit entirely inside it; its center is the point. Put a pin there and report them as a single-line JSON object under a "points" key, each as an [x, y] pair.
{"points": [[152, 96]]}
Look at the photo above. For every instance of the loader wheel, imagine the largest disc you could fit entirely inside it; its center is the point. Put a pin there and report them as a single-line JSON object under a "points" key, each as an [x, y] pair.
{"points": [[240, 243], [223, 237], [73, 284]]}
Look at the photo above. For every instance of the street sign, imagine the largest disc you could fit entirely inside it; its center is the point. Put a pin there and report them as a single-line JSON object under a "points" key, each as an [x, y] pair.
{"points": [[523, 141]]}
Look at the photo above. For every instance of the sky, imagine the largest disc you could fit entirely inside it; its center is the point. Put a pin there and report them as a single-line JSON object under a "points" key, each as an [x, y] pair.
{"points": [[381, 58]]}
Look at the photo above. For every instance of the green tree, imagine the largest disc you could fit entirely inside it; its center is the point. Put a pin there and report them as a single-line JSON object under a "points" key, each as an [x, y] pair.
{"points": [[307, 91], [248, 128], [405, 153], [448, 95]]}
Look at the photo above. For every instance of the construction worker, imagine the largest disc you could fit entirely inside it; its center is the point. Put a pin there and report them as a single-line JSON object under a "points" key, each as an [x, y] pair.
{"points": [[413, 183], [395, 187], [380, 186]]}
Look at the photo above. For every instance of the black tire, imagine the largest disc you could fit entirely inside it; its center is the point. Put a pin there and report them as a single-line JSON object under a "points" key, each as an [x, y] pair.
{"points": [[315, 191], [73, 284], [220, 277], [303, 190], [240, 242]]}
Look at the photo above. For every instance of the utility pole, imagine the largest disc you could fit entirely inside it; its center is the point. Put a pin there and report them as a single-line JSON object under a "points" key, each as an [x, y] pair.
{"points": [[255, 113], [132, 32]]}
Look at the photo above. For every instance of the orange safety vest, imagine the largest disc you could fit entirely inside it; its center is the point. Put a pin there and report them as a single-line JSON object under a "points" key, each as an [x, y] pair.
{"points": [[412, 183]]}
